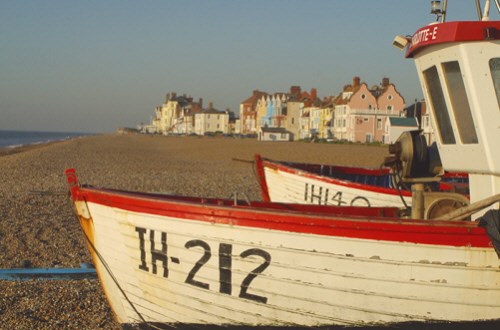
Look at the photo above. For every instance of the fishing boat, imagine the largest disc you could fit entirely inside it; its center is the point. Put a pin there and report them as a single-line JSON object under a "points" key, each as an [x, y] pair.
{"points": [[174, 261], [304, 183]]}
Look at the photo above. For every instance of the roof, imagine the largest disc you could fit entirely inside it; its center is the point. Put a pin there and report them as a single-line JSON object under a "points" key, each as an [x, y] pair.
{"points": [[256, 95], [212, 110], [403, 121]]}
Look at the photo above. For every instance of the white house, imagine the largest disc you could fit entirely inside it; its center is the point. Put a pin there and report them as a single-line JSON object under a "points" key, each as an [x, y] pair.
{"points": [[274, 134], [211, 121], [395, 126]]}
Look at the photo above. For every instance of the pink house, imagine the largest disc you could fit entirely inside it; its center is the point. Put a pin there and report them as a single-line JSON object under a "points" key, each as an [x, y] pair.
{"points": [[361, 113]]}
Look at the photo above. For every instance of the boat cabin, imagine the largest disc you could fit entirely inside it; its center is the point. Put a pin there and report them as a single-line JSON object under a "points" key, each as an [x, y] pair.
{"points": [[458, 65]]}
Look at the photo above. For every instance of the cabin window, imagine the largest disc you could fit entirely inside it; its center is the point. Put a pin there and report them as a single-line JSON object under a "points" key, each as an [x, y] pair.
{"points": [[460, 102], [439, 107], [495, 74]]}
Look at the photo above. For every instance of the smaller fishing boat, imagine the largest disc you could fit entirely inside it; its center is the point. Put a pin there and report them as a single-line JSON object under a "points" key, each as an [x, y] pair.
{"points": [[289, 182]]}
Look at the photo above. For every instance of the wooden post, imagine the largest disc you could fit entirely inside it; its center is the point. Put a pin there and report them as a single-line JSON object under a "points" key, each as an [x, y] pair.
{"points": [[417, 202]]}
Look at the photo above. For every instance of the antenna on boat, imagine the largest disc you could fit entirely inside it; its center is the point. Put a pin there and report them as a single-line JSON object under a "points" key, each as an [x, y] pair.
{"points": [[485, 16]]}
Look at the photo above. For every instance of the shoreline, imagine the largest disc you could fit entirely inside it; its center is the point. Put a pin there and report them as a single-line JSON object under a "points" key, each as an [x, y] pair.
{"points": [[15, 149]]}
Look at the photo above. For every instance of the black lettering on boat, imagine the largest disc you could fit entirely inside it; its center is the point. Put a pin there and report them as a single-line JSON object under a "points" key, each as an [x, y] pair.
{"points": [[225, 265], [253, 274], [142, 232], [316, 196], [364, 199], [160, 255], [203, 260], [338, 198]]}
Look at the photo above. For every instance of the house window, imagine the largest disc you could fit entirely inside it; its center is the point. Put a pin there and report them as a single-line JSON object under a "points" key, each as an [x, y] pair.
{"points": [[365, 119], [459, 102], [389, 97], [389, 107], [379, 123], [363, 96]]}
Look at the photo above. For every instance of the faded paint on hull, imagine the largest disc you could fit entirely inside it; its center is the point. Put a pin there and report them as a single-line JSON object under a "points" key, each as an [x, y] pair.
{"points": [[311, 279]]}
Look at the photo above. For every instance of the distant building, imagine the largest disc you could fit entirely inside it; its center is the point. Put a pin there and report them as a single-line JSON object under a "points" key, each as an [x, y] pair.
{"points": [[248, 113], [361, 113], [419, 111], [299, 106], [211, 121], [175, 116], [274, 134], [395, 126], [271, 110]]}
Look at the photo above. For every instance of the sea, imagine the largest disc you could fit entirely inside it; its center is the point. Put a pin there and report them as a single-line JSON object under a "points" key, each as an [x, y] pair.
{"points": [[13, 139]]}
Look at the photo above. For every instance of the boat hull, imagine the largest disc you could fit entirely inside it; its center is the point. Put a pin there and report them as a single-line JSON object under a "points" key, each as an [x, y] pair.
{"points": [[175, 261], [284, 183]]}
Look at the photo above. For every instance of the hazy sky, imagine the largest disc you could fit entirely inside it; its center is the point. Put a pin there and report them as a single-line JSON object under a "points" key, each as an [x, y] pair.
{"points": [[96, 65]]}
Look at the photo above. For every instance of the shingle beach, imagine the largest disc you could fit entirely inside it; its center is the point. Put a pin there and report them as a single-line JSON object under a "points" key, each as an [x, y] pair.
{"points": [[38, 228]]}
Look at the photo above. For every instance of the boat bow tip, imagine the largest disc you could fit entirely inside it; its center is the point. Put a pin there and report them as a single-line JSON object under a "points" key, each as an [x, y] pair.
{"points": [[72, 180]]}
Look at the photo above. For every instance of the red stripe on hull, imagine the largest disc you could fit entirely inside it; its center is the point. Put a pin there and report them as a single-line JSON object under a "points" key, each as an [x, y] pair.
{"points": [[320, 220]]}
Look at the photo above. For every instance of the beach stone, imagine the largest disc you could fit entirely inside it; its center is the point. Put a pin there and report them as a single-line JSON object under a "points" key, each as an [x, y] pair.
{"points": [[26, 264]]}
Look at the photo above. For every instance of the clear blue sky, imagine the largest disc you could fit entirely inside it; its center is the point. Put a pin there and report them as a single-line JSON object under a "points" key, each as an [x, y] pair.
{"points": [[95, 65]]}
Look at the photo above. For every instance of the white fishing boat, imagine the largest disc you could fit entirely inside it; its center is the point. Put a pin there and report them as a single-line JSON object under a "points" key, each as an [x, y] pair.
{"points": [[304, 183], [174, 261]]}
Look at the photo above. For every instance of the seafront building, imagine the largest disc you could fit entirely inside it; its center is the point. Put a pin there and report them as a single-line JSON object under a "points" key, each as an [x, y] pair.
{"points": [[211, 121], [358, 113], [361, 113], [180, 115]]}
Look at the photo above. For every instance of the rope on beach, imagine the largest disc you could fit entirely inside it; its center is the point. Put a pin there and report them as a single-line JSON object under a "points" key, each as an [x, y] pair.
{"points": [[243, 160], [48, 192]]}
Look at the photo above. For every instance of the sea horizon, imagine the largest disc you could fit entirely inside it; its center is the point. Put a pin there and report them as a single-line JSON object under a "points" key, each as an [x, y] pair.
{"points": [[20, 138]]}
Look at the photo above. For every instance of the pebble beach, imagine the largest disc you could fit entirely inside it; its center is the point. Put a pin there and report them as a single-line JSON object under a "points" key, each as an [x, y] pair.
{"points": [[38, 228]]}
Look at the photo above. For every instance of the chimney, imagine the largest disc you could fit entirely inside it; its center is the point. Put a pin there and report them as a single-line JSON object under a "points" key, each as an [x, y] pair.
{"points": [[385, 82], [210, 105], [201, 102], [173, 95], [314, 93], [295, 90], [355, 82]]}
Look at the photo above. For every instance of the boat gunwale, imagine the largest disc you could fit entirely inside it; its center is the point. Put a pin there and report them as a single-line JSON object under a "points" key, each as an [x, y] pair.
{"points": [[433, 232]]}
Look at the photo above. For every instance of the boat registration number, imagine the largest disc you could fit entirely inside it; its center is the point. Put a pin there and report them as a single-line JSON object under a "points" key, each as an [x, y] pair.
{"points": [[159, 260]]}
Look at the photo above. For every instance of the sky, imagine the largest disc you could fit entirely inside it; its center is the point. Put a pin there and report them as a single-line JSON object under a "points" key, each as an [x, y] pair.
{"points": [[95, 65]]}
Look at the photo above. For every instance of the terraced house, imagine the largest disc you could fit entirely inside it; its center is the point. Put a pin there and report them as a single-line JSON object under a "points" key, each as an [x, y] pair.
{"points": [[211, 121], [361, 113]]}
